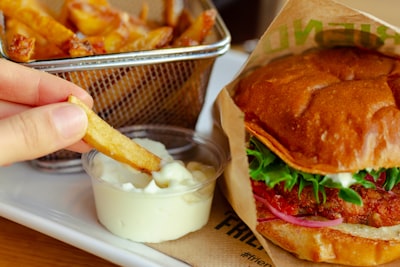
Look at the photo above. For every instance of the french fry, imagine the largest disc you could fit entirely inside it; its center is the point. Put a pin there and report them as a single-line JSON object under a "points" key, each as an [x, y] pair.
{"points": [[98, 2], [154, 39], [39, 47], [196, 32], [21, 48], [80, 48], [92, 19], [185, 19], [144, 12], [169, 13], [114, 40], [116, 27], [47, 26], [114, 144], [97, 46], [64, 14]]}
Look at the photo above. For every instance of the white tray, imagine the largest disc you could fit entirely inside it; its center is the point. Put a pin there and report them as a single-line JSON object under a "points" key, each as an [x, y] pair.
{"points": [[62, 206]]}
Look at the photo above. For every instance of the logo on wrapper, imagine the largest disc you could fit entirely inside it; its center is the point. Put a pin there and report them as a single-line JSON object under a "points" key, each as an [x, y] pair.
{"points": [[328, 35]]}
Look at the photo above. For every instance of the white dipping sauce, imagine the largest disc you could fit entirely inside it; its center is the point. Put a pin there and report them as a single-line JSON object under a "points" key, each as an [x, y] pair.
{"points": [[144, 208]]}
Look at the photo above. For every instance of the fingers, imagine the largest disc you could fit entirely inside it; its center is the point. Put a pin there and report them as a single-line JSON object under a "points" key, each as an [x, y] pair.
{"points": [[80, 147], [8, 109], [39, 131], [31, 87], [30, 133]]}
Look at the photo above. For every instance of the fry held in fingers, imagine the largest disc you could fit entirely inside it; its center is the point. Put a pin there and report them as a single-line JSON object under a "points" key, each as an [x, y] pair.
{"points": [[114, 144]]}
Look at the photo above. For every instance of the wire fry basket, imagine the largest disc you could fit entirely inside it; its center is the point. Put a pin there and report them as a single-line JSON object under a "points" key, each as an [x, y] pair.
{"points": [[162, 86]]}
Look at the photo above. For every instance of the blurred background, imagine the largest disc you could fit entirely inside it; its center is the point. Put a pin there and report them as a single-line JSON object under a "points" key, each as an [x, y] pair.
{"points": [[247, 20]]}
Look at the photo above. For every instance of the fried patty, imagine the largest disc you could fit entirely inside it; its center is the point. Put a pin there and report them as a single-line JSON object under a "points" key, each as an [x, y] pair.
{"points": [[380, 207]]}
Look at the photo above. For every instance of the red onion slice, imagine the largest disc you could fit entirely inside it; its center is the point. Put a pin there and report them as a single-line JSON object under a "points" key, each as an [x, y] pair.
{"points": [[298, 220]]}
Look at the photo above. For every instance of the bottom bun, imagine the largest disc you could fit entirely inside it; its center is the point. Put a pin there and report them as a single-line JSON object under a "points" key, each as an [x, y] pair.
{"points": [[347, 244]]}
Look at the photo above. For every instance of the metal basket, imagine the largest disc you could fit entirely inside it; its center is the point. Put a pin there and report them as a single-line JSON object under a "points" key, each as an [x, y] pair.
{"points": [[163, 86]]}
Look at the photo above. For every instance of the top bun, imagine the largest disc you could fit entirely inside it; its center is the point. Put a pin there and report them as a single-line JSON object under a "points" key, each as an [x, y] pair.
{"points": [[326, 111]]}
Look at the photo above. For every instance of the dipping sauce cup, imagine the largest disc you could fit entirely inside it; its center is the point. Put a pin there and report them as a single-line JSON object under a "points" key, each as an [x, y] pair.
{"points": [[139, 210]]}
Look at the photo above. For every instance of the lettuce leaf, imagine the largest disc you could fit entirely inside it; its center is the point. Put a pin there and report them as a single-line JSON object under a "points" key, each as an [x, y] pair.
{"points": [[266, 166]]}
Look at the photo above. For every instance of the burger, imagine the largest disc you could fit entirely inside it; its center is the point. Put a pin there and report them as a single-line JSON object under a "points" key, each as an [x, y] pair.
{"points": [[324, 153]]}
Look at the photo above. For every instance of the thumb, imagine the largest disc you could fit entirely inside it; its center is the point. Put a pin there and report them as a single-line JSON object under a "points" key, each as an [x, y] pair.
{"points": [[40, 131]]}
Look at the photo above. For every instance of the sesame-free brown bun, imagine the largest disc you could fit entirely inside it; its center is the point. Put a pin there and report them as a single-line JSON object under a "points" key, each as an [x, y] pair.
{"points": [[345, 244], [326, 111]]}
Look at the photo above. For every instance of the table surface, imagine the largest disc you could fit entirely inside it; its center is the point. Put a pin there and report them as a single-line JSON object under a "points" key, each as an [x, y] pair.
{"points": [[22, 246]]}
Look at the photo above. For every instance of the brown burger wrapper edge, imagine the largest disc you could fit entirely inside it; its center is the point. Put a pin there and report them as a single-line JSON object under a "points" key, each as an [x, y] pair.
{"points": [[301, 25]]}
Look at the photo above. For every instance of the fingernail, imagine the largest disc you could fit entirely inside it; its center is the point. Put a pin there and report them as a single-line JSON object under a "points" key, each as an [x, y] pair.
{"points": [[70, 121]]}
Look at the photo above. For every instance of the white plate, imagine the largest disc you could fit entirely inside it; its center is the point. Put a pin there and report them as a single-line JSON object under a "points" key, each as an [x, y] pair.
{"points": [[62, 206]]}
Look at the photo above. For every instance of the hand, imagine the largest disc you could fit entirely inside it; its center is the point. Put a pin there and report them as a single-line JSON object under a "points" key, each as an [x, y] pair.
{"points": [[35, 120]]}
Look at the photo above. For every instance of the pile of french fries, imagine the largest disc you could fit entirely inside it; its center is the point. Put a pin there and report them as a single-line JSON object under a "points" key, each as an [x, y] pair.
{"points": [[93, 27]]}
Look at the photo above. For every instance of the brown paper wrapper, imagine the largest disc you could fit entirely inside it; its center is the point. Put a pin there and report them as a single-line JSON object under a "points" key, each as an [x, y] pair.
{"points": [[224, 241], [301, 25]]}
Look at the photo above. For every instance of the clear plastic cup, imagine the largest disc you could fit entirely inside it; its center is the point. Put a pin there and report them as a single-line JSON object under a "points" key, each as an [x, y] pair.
{"points": [[159, 216]]}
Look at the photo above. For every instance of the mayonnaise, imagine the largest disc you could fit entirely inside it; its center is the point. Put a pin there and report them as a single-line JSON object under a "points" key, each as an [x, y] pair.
{"points": [[345, 179], [152, 208]]}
